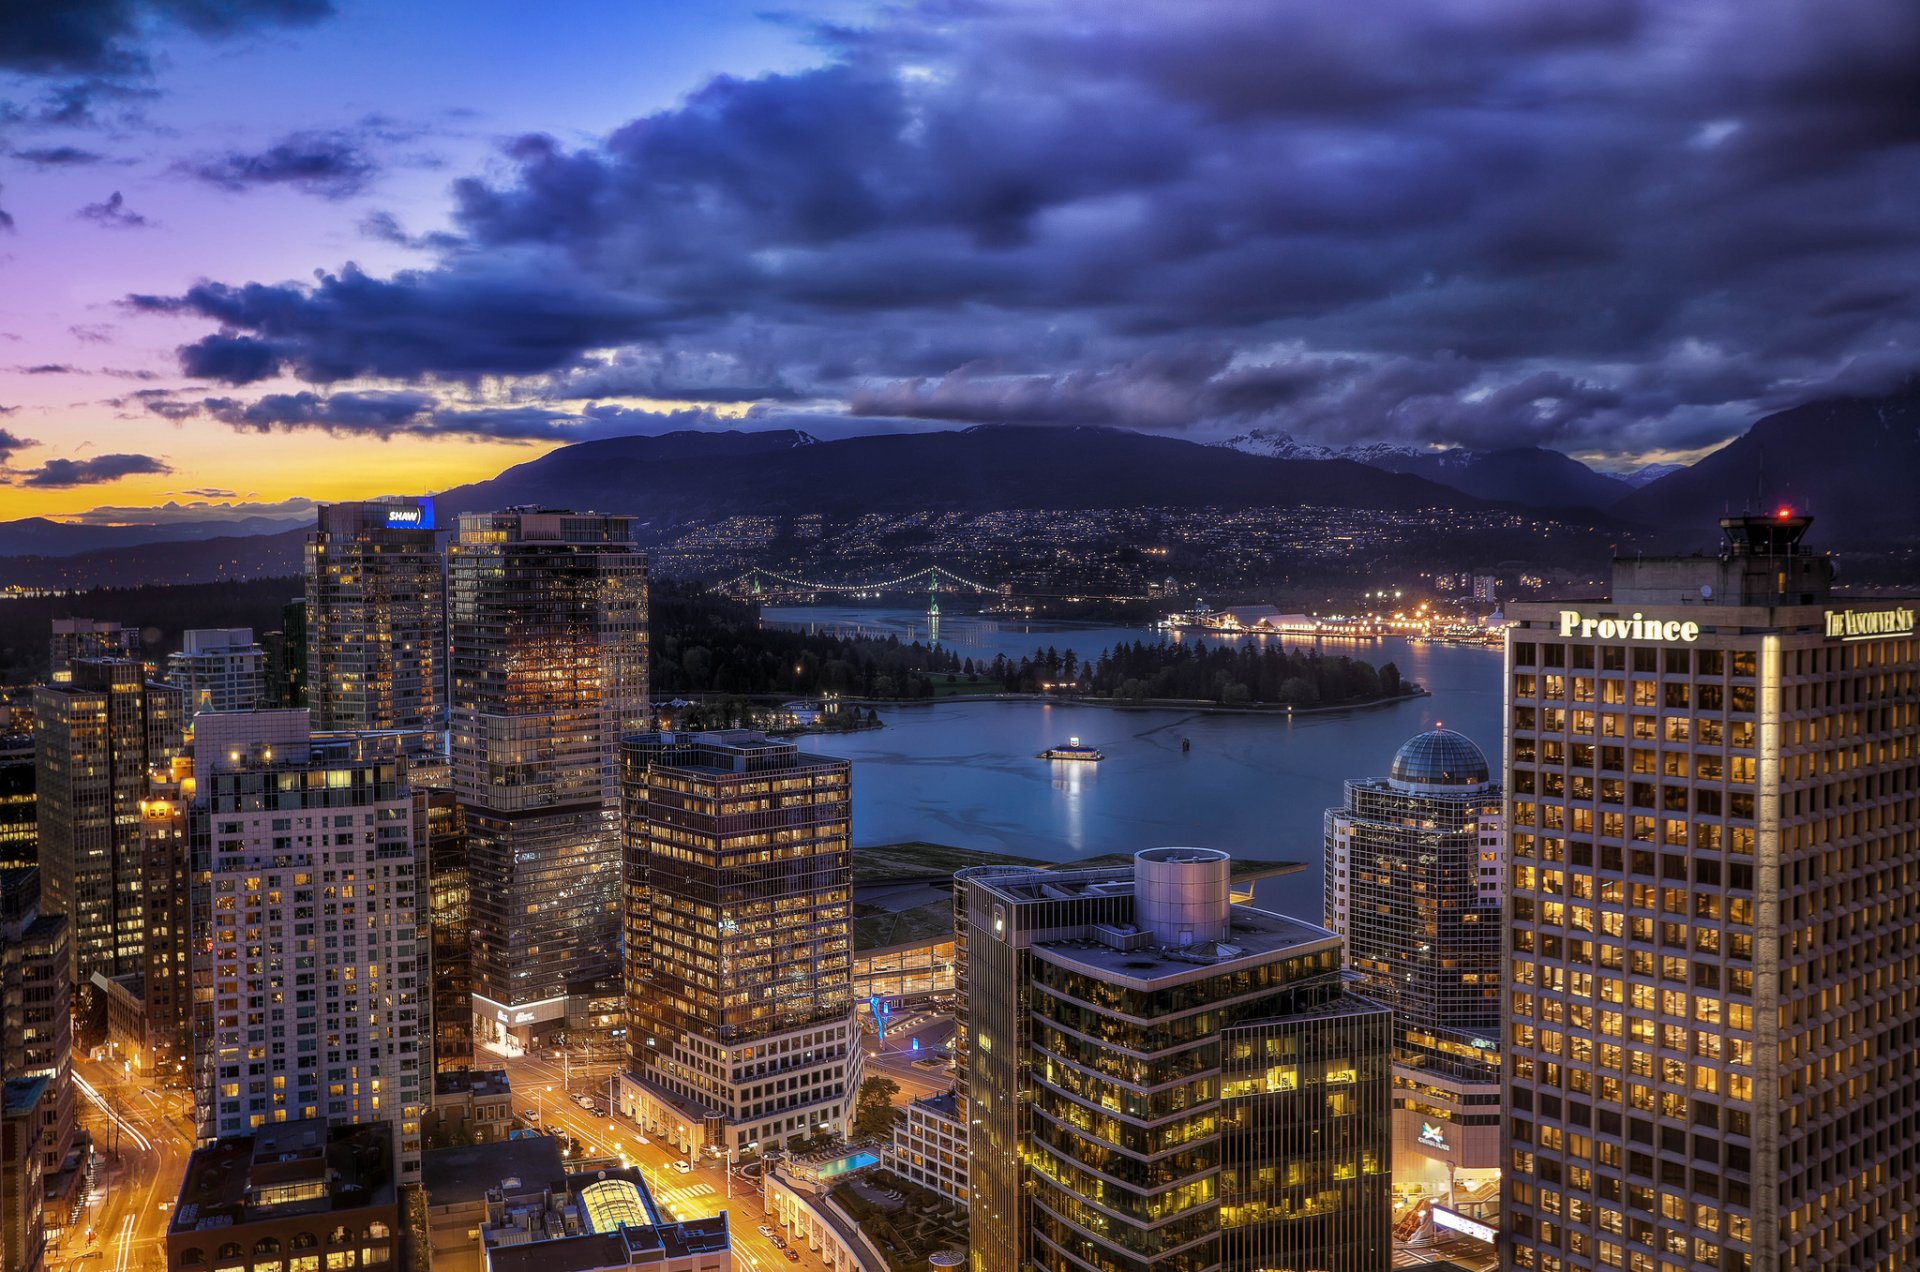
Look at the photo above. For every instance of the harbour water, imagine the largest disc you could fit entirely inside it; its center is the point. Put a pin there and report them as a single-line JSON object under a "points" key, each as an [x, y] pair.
{"points": [[966, 773]]}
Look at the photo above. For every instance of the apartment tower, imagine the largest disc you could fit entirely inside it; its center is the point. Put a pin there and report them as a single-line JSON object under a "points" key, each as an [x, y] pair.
{"points": [[548, 615], [1714, 919], [739, 939], [308, 970], [219, 669]]}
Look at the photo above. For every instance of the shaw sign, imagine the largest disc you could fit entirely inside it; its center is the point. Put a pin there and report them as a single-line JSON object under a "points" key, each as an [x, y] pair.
{"points": [[1639, 627], [1869, 624]]}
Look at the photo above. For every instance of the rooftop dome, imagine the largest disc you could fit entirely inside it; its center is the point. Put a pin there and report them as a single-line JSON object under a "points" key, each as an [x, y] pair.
{"points": [[1439, 758]]}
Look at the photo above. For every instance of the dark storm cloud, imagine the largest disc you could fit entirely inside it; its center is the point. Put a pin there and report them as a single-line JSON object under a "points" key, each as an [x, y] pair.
{"points": [[61, 474], [416, 414], [104, 36], [1590, 224], [58, 156], [114, 214], [333, 165], [11, 442]]}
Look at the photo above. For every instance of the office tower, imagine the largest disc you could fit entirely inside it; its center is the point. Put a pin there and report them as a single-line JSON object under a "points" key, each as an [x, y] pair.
{"points": [[1412, 883], [450, 927], [1714, 918], [1160, 1079], [23, 1223], [19, 808], [307, 966], [375, 620], [548, 615], [286, 651], [219, 669], [77, 638], [167, 974], [96, 738], [36, 1001], [739, 939]]}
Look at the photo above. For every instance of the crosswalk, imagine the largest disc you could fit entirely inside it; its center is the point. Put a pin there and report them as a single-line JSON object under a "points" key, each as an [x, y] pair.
{"points": [[686, 1201]]}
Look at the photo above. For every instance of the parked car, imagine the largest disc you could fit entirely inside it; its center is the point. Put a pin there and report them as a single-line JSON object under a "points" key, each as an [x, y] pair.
{"points": [[682, 1166], [765, 1230], [793, 1256]]}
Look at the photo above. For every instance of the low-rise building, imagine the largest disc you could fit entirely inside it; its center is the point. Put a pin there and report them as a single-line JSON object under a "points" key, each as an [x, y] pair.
{"points": [[458, 1182], [301, 1192], [596, 1221], [930, 1146], [470, 1106]]}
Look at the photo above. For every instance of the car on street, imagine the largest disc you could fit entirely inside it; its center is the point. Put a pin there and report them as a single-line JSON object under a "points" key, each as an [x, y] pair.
{"points": [[793, 1256], [643, 1139], [765, 1230], [682, 1166]]}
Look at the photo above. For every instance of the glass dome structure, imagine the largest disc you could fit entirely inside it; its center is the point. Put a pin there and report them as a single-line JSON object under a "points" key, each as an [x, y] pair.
{"points": [[1439, 760]]}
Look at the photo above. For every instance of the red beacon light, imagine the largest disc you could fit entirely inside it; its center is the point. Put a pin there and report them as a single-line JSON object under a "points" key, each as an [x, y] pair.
{"points": [[1784, 513]]}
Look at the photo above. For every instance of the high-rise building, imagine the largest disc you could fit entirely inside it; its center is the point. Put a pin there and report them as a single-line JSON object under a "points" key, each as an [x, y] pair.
{"points": [[219, 669], [167, 976], [97, 736], [307, 965], [739, 940], [548, 617], [375, 618], [23, 1222], [77, 638], [1714, 918], [1413, 886], [450, 930], [1160, 1080], [36, 1000], [19, 807]]}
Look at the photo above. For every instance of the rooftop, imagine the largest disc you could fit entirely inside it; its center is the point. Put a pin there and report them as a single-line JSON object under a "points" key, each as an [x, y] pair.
{"points": [[481, 1083], [1440, 759], [1253, 936], [21, 1094], [453, 1176], [286, 1168]]}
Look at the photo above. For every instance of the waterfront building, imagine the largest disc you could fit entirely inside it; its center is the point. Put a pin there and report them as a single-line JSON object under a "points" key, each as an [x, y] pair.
{"points": [[36, 1004], [308, 964], [1157, 1078], [23, 1223], [1714, 918], [301, 1194], [96, 737], [219, 669], [1412, 884], [930, 1146], [549, 659], [739, 906], [374, 625], [77, 638]]}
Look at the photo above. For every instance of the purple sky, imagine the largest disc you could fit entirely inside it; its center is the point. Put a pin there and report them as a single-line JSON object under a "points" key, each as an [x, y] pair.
{"points": [[240, 240]]}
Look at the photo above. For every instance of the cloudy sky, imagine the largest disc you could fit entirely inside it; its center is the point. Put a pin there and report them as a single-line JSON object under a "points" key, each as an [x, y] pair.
{"points": [[260, 250]]}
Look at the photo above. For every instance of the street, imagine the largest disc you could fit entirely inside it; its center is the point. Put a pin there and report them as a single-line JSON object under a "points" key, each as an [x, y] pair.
{"points": [[143, 1137]]}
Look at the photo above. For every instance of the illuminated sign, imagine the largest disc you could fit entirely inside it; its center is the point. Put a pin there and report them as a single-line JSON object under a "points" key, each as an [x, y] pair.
{"points": [[1869, 624], [1434, 1137], [1444, 1218], [1639, 627], [417, 515]]}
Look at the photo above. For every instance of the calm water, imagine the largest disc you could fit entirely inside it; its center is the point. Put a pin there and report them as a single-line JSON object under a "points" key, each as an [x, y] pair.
{"points": [[966, 773]]}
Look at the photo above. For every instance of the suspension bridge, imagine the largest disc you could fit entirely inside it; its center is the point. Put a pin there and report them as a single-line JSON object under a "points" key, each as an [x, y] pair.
{"points": [[754, 583]]}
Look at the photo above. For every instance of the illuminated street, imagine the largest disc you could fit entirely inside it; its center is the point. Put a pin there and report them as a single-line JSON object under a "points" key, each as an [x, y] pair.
{"points": [[143, 1138]]}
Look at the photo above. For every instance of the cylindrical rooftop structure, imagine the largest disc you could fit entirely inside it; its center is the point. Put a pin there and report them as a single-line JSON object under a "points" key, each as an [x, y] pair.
{"points": [[1182, 895]]}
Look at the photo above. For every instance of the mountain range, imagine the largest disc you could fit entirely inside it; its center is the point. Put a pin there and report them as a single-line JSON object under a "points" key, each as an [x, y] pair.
{"points": [[1853, 462]]}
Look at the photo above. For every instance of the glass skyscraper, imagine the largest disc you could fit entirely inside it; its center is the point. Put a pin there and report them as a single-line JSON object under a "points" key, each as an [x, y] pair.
{"points": [[1158, 1080], [375, 623], [548, 616], [1714, 919]]}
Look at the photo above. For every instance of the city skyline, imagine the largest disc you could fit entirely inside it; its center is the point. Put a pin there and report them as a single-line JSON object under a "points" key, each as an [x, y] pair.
{"points": [[1464, 224]]}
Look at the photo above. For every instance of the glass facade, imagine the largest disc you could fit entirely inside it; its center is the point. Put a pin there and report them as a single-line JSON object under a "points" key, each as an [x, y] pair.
{"points": [[1136, 1105], [375, 622], [548, 616]]}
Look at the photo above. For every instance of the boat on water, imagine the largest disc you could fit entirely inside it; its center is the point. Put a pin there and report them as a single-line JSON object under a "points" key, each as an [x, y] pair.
{"points": [[1072, 749]]}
